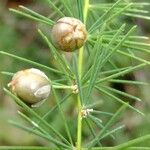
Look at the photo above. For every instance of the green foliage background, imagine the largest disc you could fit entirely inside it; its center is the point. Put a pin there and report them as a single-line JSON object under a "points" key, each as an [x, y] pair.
{"points": [[19, 36]]}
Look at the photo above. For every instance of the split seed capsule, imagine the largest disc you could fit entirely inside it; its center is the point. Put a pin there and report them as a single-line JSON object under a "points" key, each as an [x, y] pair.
{"points": [[31, 86]]}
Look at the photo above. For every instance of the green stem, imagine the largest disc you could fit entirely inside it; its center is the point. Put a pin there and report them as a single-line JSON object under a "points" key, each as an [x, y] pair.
{"points": [[62, 87], [80, 65], [79, 128], [86, 7]]}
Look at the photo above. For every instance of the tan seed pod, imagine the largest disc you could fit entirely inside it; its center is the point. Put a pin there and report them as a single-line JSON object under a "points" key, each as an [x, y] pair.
{"points": [[31, 85], [69, 34]]}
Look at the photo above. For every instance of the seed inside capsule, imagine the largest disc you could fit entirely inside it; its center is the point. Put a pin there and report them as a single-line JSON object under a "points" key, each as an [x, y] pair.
{"points": [[31, 85], [69, 34]]}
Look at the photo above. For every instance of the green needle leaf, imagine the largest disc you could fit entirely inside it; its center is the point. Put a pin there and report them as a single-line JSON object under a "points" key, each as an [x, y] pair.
{"points": [[68, 10], [29, 110], [63, 117], [132, 143], [61, 60], [24, 148], [128, 82], [30, 62], [80, 8], [98, 22], [91, 130], [55, 8], [38, 133], [99, 61], [117, 99], [109, 123], [101, 113], [122, 93], [35, 14], [45, 21], [121, 73]]}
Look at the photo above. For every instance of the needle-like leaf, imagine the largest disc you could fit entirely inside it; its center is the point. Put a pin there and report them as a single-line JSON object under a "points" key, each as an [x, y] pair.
{"points": [[117, 99], [30, 62], [39, 19], [109, 123], [61, 60], [29, 110]]}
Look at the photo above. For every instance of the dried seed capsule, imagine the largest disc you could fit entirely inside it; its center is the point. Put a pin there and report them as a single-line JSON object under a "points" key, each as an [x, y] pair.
{"points": [[31, 85], [69, 34]]}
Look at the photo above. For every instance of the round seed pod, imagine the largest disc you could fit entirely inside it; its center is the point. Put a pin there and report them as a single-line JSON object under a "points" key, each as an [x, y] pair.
{"points": [[31, 86], [69, 34]]}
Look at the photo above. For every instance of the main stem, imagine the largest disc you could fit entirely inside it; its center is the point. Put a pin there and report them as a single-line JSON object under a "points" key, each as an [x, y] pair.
{"points": [[79, 128], [80, 65]]}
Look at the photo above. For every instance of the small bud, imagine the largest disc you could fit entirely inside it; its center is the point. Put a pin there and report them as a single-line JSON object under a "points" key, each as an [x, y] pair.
{"points": [[74, 89], [86, 112], [69, 34], [31, 85]]}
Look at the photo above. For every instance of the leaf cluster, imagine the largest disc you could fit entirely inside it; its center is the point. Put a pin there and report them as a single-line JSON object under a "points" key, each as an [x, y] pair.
{"points": [[92, 69]]}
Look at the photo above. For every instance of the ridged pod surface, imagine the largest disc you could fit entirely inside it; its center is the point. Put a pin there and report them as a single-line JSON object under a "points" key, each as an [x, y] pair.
{"points": [[69, 34]]}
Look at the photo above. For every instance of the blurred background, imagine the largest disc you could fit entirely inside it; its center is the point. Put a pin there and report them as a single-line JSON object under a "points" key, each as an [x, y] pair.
{"points": [[19, 36]]}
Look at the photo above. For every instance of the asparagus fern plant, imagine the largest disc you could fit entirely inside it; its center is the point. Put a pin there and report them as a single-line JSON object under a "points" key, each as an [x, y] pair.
{"points": [[90, 71]]}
